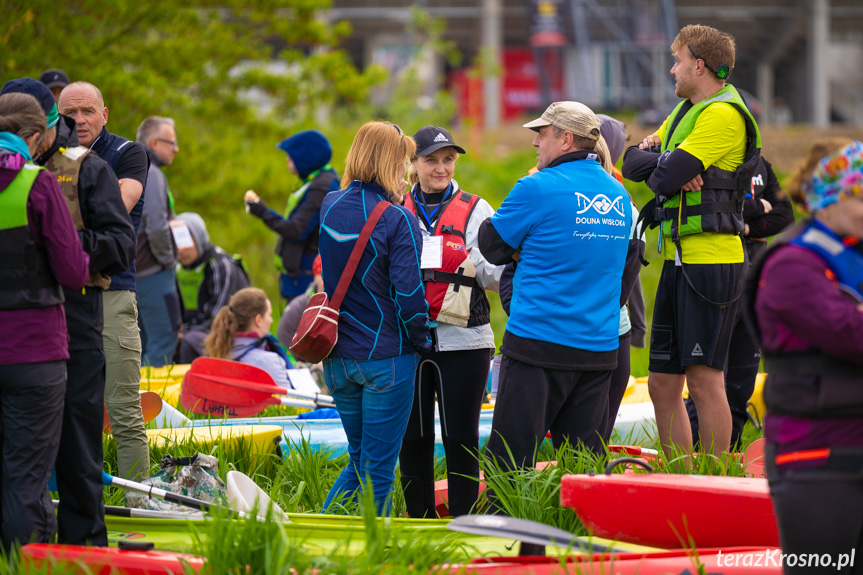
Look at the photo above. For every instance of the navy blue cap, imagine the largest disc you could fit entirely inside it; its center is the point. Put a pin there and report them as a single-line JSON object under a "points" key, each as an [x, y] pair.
{"points": [[36, 89]]}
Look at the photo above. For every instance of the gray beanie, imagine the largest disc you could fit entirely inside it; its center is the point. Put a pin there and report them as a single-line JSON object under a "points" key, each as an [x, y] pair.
{"points": [[198, 229], [614, 133]]}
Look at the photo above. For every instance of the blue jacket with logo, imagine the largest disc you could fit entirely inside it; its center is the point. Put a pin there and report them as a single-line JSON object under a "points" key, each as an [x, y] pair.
{"points": [[384, 313], [570, 223]]}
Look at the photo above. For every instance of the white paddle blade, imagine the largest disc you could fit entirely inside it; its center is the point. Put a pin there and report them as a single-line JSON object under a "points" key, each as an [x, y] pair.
{"points": [[244, 495]]}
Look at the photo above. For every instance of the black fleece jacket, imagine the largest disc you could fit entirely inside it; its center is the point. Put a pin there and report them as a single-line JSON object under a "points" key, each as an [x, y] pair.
{"points": [[108, 237]]}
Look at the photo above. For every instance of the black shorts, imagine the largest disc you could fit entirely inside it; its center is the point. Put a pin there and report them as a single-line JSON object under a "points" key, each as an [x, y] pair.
{"points": [[687, 330]]}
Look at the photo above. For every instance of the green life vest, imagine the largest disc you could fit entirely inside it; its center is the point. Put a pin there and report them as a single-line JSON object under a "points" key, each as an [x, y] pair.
{"points": [[718, 207], [293, 201], [27, 280], [190, 280], [13, 200]]}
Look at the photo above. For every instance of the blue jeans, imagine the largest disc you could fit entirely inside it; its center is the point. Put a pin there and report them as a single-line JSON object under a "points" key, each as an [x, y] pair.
{"points": [[374, 398], [158, 317]]}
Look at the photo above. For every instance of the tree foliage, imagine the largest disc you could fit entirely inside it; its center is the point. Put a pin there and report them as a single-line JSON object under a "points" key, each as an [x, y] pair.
{"points": [[236, 76]]}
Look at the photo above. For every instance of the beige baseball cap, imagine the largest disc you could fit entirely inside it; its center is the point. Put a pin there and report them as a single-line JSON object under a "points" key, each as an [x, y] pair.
{"points": [[572, 116]]}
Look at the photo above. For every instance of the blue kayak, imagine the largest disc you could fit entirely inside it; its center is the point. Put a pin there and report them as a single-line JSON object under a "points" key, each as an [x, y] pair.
{"points": [[635, 425]]}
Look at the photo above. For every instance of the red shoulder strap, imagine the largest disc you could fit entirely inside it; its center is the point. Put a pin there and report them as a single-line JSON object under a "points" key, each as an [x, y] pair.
{"points": [[356, 254]]}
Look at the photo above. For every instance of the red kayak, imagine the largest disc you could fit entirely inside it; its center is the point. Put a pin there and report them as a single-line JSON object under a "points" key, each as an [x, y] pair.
{"points": [[441, 487], [109, 560], [665, 510], [734, 561]]}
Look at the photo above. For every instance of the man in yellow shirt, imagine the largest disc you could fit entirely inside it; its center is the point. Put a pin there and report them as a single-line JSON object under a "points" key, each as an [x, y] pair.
{"points": [[699, 164]]}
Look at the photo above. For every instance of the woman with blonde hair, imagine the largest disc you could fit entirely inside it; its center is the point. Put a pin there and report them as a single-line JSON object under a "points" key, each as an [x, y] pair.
{"points": [[805, 299], [383, 320], [455, 372], [241, 331]]}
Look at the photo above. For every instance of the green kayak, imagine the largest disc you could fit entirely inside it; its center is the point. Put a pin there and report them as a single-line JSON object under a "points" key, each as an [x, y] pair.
{"points": [[316, 532]]}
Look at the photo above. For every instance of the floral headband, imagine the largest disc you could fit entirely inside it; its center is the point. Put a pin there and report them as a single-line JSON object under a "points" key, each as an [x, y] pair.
{"points": [[837, 175]]}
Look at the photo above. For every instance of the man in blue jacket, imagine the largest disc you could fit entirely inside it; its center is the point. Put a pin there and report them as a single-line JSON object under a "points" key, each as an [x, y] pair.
{"points": [[568, 227]]}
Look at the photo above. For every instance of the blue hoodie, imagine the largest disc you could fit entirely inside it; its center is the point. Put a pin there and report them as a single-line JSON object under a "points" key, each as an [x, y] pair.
{"points": [[309, 150]]}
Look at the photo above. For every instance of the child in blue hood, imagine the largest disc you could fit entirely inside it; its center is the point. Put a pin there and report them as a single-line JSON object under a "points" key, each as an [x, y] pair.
{"points": [[309, 154]]}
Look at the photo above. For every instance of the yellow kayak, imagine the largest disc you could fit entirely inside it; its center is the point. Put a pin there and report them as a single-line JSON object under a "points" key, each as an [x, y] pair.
{"points": [[173, 372], [256, 439]]}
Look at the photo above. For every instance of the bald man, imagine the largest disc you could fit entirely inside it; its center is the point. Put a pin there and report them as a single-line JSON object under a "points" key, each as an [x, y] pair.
{"points": [[82, 523]]}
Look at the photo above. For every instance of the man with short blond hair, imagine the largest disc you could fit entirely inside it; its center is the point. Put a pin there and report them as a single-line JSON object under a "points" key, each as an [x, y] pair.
{"points": [[699, 164]]}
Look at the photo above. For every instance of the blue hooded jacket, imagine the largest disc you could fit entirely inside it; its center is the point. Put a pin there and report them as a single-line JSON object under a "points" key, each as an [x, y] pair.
{"points": [[309, 150], [298, 227]]}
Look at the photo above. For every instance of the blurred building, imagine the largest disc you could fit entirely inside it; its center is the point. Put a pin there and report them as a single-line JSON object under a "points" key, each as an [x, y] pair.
{"points": [[800, 60]]}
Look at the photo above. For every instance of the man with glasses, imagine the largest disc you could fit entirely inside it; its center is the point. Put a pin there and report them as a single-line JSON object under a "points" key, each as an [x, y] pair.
{"points": [[699, 164], [158, 303]]}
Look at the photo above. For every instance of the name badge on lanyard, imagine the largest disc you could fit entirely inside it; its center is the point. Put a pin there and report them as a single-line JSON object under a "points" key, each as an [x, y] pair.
{"points": [[432, 257]]}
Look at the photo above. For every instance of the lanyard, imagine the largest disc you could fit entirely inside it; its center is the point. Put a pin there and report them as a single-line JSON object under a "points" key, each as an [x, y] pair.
{"points": [[422, 206]]}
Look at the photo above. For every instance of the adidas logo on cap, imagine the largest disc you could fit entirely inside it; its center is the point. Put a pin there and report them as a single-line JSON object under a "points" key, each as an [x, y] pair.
{"points": [[441, 138]]}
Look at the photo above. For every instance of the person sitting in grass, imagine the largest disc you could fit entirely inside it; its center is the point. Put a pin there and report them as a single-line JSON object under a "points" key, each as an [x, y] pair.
{"points": [[207, 277], [241, 331]]}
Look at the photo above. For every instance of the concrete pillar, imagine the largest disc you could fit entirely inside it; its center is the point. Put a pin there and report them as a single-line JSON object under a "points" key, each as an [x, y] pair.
{"points": [[820, 36], [492, 40], [765, 91]]}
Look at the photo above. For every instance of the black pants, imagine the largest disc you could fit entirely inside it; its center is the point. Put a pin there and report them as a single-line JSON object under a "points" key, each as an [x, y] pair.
{"points": [[532, 400], [619, 381], [818, 511], [31, 408], [741, 370], [458, 378], [81, 515]]}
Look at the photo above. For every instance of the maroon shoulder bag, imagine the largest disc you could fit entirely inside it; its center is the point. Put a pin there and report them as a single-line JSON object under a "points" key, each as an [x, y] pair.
{"points": [[318, 331]]}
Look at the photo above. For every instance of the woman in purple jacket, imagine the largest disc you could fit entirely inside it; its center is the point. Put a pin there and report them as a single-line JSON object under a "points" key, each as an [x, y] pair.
{"points": [[806, 294], [39, 252]]}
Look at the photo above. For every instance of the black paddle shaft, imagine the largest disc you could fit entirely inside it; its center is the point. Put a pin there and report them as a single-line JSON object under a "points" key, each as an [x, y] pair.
{"points": [[525, 531]]}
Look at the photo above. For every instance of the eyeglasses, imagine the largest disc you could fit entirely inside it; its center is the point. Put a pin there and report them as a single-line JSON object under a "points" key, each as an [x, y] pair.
{"points": [[172, 143], [723, 71]]}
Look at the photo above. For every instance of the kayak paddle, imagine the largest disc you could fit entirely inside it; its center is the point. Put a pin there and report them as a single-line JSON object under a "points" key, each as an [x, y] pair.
{"points": [[526, 531], [211, 406], [245, 495], [151, 406], [234, 385], [110, 480]]}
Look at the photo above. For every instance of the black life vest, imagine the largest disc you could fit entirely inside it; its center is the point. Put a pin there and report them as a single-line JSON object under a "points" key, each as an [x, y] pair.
{"points": [[809, 383], [26, 278], [452, 292]]}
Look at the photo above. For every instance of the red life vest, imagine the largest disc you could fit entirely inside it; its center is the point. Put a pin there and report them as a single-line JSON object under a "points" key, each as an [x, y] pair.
{"points": [[452, 292]]}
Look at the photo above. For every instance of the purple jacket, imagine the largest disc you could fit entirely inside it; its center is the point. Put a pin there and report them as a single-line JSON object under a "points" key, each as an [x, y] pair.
{"points": [[36, 335], [798, 307]]}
